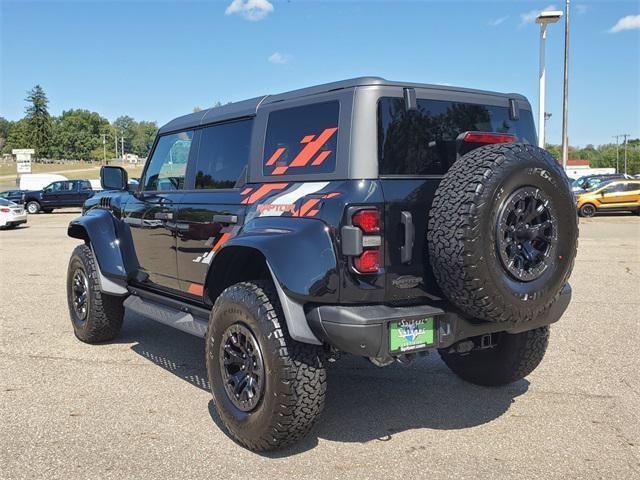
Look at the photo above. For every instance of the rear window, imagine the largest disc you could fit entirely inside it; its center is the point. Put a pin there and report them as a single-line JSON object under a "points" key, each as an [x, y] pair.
{"points": [[423, 141], [302, 140], [223, 154]]}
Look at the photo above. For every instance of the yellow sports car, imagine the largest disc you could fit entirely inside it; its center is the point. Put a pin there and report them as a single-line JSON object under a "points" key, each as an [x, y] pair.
{"points": [[616, 196]]}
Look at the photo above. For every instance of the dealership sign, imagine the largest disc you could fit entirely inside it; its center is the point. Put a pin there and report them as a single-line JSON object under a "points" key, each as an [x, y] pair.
{"points": [[23, 159]]}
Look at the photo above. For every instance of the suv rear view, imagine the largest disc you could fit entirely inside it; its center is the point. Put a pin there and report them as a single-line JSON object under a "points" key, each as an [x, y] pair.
{"points": [[367, 217]]}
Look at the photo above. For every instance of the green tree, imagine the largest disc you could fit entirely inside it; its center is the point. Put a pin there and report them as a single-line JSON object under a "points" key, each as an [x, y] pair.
{"points": [[5, 127], [38, 120], [77, 135], [125, 126], [17, 136], [144, 135]]}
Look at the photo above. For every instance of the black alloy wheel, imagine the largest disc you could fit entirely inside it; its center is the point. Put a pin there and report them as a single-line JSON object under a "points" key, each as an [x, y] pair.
{"points": [[242, 367], [526, 233]]}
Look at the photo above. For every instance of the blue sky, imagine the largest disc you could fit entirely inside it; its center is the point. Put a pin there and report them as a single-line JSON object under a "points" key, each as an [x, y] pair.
{"points": [[157, 60]]}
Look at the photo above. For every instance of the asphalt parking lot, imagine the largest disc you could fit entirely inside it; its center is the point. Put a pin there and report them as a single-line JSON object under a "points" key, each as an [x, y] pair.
{"points": [[140, 408]]}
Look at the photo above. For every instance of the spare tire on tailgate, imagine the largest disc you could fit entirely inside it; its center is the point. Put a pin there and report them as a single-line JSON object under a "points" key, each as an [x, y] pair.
{"points": [[503, 232]]}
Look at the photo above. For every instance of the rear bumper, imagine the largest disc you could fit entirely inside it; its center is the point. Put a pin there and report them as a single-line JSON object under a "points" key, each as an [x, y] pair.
{"points": [[364, 330]]}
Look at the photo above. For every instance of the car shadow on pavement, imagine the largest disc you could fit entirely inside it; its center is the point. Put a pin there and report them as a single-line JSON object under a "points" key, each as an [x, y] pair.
{"points": [[364, 403]]}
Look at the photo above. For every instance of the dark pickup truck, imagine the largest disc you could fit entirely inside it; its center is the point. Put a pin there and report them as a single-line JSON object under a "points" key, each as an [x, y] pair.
{"points": [[62, 194]]}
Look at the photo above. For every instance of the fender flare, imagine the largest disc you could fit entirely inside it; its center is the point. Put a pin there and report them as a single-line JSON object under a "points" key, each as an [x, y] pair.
{"points": [[99, 229], [301, 259]]}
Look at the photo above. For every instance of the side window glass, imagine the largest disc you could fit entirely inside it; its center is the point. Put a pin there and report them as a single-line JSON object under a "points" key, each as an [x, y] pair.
{"points": [[85, 185], [54, 187], [302, 140], [632, 187], [223, 154], [168, 165]]}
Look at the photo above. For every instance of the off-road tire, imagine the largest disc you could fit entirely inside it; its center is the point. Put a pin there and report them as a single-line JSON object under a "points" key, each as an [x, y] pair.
{"points": [[587, 210], [512, 358], [295, 380], [105, 312], [33, 207], [462, 232]]}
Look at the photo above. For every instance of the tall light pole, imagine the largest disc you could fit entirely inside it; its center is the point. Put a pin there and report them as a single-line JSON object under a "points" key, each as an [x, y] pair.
{"points": [[543, 19], [617, 137], [565, 93], [625, 135]]}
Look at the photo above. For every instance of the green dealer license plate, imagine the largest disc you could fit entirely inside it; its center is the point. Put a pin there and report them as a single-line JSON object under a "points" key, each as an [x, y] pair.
{"points": [[410, 335]]}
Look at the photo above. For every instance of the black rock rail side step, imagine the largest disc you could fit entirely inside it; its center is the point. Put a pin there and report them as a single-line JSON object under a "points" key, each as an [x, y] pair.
{"points": [[174, 313]]}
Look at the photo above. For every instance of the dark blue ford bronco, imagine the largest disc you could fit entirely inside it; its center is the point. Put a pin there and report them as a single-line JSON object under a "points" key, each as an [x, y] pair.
{"points": [[369, 217]]}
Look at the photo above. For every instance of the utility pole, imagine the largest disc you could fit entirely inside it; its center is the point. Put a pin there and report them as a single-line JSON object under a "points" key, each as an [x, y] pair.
{"points": [[565, 96], [617, 137], [122, 145], [115, 138], [104, 148], [625, 135], [547, 116]]}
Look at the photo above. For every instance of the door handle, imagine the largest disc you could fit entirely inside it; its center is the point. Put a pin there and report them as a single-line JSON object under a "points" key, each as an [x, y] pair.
{"points": [[163, 216], [406, 251], [228, 219]]}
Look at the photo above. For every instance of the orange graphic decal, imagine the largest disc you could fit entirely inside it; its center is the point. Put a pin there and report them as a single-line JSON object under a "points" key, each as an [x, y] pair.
{"points": [[221, 241], [312, 148], [307, 139], [196, 289], [276, 155], [246, 191], [308, 205], [262, 191], [279, 170], [321, 158]]}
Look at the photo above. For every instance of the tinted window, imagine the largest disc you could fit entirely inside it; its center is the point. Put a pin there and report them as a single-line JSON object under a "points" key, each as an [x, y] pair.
{"points": [[632, 187], [617, 187], [423, 141], [85, 185], [167, 167], [223, 154], [302, 140]]}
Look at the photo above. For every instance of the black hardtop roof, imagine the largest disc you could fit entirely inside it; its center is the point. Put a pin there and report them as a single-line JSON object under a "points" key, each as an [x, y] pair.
{"points": [[247, 108]]}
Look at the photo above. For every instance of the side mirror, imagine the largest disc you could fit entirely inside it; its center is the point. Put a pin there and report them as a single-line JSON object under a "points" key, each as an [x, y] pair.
{"points": [[114, 178]]}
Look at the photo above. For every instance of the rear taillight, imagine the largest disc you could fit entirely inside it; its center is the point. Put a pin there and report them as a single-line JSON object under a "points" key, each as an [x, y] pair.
{"points": [[367, 220], [481, 137], [4, 210], [368, 262]]}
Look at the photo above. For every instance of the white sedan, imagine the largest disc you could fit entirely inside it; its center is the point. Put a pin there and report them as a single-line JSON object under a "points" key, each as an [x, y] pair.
{"points": [[11, 214]]}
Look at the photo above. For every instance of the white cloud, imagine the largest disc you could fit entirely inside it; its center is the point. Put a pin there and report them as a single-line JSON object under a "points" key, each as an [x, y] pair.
{"points": [[279, 58], [582, 8], [630, 22], [253, 10], [498, 21], [530, 16]]}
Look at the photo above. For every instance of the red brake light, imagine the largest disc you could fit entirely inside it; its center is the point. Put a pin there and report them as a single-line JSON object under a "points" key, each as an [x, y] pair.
{"points": [[368, 262], [4, 210], [478, 137], [367, 220]]}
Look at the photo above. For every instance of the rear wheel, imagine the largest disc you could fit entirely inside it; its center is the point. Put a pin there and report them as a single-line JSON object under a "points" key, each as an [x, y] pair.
{"points": [[33, 207], [502, 232], [267, 388], [512, 358], [587, 210], [95, 316]]}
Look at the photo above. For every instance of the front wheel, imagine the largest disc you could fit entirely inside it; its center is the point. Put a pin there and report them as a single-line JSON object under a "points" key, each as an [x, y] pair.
{"points": [[33, 207], [95, 316], [267, 388], [511, 358]]}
